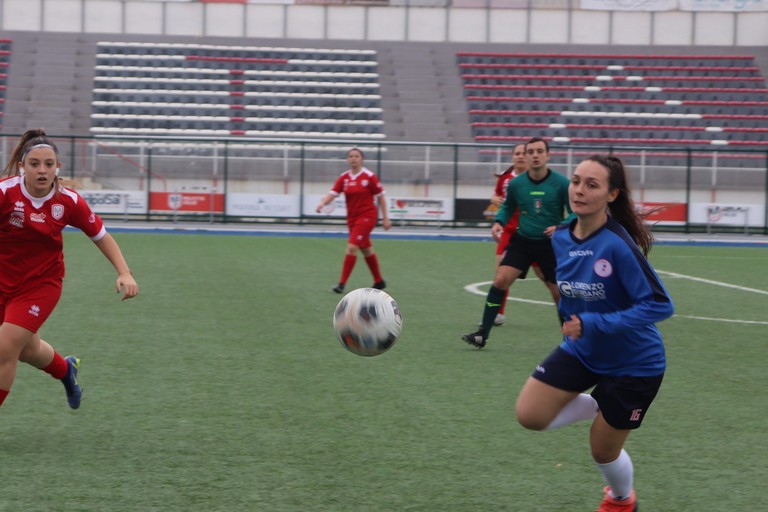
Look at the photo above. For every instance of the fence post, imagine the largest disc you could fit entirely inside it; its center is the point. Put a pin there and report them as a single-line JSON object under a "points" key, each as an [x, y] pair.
{"points": [[455, 180], [149, 182], [765, 201], [301, 183], [688, 179]]}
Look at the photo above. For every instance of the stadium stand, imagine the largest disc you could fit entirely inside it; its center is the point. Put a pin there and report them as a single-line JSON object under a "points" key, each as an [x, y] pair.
{"points": [[681, 100], [207, 90], [5, 59], [421, 96]]}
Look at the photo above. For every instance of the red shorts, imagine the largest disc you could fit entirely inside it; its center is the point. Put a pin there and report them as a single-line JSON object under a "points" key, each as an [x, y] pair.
{"points": [[504, 240], [360, 231], [31, 307]]}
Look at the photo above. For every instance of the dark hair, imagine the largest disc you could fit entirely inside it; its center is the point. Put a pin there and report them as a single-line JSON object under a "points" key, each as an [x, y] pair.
{"points": [[537, 139], [358, 150], [518, 145], [30, 139], [622, 209]]}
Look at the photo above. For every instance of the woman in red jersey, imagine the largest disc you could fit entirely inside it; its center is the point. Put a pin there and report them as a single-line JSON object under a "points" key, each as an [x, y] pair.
{"points": [[361, 189], [34, 209]]}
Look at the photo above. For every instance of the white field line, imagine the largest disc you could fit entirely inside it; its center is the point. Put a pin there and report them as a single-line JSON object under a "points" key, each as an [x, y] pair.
{"points": [[475, 289], [715, 283]]}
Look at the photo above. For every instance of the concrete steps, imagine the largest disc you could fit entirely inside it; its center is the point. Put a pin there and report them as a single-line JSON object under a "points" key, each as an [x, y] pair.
{"points": [[50, 81]]}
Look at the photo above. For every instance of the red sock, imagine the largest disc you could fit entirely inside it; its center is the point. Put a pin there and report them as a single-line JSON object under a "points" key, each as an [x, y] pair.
{"points": [[3, 394], [346, 270], [373, 264], [58, 367], [504, 302]]}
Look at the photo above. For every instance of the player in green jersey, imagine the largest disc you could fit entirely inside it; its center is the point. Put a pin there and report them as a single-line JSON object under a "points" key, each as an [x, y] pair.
{"points": [[541, 196]]}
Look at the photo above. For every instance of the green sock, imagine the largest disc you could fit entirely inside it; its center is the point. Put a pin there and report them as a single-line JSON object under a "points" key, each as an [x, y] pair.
{"points": [[492, 306]]}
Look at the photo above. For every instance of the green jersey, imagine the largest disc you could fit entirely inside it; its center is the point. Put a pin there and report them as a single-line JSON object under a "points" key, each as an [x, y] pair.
{"points": [[541, 203]]}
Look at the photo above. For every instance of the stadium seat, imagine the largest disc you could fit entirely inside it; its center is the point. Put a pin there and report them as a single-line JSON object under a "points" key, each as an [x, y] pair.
{"points": [[167, 87], [6, 46], [679, 99]]}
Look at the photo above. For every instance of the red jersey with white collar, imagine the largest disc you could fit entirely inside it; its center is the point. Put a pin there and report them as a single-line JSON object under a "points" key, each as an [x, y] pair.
{"points": [[360, 192], [30, 232], [502, 184]]}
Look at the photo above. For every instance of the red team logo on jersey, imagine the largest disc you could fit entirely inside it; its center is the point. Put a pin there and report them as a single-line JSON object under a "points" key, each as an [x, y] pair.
{"points": [[603, 268], [17, 219], [57, 210]]}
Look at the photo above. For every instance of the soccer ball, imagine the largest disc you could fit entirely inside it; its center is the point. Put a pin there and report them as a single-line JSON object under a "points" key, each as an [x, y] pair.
{"points": [[367, 321]]}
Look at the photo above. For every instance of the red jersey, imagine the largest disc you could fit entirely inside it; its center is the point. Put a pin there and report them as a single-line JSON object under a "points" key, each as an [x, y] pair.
{"points": [[360, 192], [30, 232], [502, 184]]}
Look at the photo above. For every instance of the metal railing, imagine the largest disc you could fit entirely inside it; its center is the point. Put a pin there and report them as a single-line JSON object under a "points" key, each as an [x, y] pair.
{"points": [[272, 180]]}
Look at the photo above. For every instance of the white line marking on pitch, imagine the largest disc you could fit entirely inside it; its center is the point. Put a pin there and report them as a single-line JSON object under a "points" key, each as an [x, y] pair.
{"points": [[716, 283], [474, 288]]}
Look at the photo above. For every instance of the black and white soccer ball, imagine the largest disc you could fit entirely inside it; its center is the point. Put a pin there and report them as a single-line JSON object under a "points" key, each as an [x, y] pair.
{"points": [[367, 321]]}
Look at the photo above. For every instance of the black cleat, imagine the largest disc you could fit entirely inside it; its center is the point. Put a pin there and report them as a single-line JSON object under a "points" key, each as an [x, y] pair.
{"points": [[339, 288], [476, 339], [379, 285]]}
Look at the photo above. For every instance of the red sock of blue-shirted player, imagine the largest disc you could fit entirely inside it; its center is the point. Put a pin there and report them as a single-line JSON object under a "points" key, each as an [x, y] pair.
{"points": [[373, 264], [346, 270], [3, 394], [58, 367]]}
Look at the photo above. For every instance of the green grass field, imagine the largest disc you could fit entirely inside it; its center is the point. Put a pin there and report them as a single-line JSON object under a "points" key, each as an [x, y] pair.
{"points": [[222, 388]]}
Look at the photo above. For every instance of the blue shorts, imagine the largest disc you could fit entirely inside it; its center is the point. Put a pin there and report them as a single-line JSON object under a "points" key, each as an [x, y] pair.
{"points": [[623, 400]]}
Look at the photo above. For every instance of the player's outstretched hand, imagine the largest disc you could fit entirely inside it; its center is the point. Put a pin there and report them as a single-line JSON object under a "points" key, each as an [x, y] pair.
{"points": [[127, 284]]}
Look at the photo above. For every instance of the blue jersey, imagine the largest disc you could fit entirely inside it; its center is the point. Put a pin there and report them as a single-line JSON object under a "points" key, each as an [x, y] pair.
{"points": [[609, 284]]}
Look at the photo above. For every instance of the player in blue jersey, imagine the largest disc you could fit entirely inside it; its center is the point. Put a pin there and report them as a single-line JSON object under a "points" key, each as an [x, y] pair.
{"points": [[611, 298]]}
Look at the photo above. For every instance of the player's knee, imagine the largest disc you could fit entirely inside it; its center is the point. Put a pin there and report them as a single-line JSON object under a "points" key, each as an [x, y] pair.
{"points": [[530, 418], [605, 454], [502, 280], [503, 283]]}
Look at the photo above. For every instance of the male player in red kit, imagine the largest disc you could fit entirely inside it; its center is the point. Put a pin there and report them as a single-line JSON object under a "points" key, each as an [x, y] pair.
{"points": [[34, 209]]}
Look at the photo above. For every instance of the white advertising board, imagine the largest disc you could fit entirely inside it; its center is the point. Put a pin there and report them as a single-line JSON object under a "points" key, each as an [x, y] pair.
{"points": [[262, 205], [116, 201], [630, 5], [335, 209], [724, 5], [400, 208], [420, 208], [747, 215]]}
